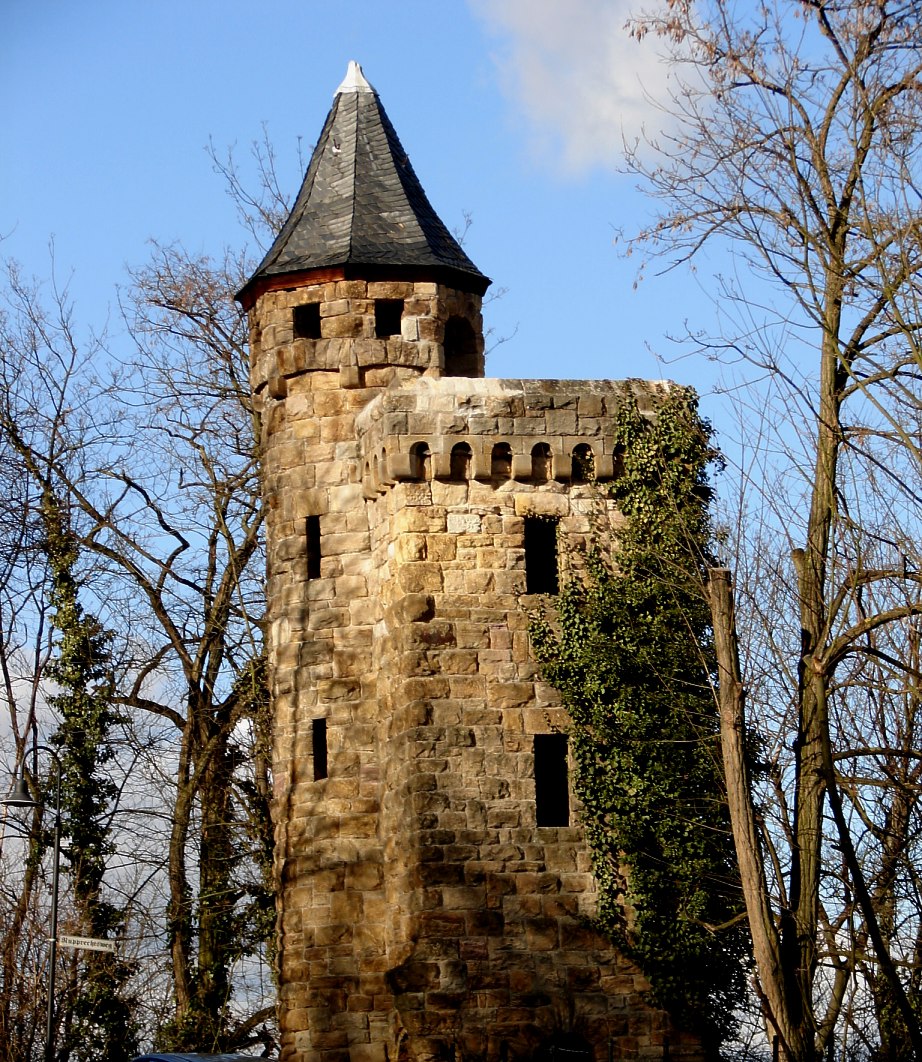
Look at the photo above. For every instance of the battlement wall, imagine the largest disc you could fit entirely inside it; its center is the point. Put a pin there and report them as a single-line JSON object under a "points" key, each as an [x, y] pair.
{"points": [[524, 430]]}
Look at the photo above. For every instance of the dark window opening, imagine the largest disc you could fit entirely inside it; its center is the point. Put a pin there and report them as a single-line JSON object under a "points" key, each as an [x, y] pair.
{"points": [[501, 461], [421, 461], [461, 357], [541, 572], [313, 547], [306, 321], [541, 462], [552, 793], [388, 313], [583, 464], [566, 1047], [319, 748], [460, 466]]}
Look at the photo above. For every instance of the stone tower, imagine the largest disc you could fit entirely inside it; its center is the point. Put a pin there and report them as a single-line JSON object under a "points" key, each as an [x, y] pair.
{"points": [[433, 884]]}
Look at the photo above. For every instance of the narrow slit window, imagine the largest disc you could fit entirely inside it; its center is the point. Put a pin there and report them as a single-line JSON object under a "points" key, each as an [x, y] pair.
{"points": [[306, 321], [313, 547], [552, 791], [319, 748], [388, 314], [541, 572]]}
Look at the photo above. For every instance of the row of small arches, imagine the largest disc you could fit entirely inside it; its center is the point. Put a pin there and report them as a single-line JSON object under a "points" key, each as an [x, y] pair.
{"points": [[581, 460]]}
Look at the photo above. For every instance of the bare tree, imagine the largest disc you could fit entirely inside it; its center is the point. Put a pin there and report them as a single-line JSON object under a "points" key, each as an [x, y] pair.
{"points": [[23, 887], [154, 455], [151, 447], [198, 486], [25, 652], [796, 143]]}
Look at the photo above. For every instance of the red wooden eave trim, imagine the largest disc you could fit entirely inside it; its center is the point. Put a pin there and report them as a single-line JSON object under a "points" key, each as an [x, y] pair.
{"points": [[253, 289]]}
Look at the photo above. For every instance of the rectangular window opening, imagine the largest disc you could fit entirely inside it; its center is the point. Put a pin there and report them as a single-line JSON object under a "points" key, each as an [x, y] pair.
{"points": [[319, 748], [313, 547], [306, 321], [541, 573], [552, 791], [388, 314]]}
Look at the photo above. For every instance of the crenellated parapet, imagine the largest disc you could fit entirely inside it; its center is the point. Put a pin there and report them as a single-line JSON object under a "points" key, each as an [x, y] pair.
{"points": [[532, 431]]}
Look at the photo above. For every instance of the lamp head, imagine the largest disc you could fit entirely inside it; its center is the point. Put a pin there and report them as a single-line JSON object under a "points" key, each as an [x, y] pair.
{"points": [[19, 797]]}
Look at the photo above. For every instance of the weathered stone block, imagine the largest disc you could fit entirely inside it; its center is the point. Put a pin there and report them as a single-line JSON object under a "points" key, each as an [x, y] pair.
{"points": [[410, 548], [350, 376], [389, 289], [350, 542], [436, 633], [343, 327], [326, 618], [370, 1052], [542, 503], [506, 695], [421, 577]]}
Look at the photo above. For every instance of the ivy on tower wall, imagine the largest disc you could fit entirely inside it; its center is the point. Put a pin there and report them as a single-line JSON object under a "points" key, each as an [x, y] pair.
{"points": [[629, 648]]}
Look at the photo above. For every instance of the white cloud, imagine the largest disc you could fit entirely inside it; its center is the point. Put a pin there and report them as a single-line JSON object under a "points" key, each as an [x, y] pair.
{"points": [[583, 84]]}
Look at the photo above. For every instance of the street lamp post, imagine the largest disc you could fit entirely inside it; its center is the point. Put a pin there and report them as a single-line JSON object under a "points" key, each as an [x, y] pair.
{"points": [[20, 797]]}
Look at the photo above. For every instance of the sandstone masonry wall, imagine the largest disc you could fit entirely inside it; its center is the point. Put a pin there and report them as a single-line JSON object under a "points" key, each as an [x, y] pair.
{"points": [[423, 912]]}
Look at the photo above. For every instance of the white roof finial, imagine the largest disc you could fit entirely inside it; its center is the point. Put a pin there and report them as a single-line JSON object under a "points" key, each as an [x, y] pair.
{"points": [[354, 81]]}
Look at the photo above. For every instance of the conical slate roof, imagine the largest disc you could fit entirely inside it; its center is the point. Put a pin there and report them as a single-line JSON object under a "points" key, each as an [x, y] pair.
{"points": [[362, 206]]}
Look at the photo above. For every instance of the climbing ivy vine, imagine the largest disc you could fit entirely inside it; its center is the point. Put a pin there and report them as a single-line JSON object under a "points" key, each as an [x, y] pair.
{"points": [[629, 649], [98, 1020]]}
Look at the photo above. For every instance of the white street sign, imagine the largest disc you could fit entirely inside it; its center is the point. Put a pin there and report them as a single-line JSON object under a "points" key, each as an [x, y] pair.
{"points": [[87, 943]]}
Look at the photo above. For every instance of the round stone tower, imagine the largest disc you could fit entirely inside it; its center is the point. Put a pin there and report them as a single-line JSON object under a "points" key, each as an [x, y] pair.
{"points": [[433, 889]]}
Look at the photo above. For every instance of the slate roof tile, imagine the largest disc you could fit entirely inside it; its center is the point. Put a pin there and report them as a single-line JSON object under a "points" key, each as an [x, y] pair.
{"points": [[361, 204]]}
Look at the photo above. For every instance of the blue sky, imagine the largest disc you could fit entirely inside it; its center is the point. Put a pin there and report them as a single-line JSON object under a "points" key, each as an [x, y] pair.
{"points": [[511, 110]]}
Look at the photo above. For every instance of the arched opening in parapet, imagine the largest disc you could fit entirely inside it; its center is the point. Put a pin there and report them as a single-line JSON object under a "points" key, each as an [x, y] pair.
{"points": [[461, 358], [420, 461], [460, 463], [541, 462], [501, 461], [583, 470], [374, 470]]}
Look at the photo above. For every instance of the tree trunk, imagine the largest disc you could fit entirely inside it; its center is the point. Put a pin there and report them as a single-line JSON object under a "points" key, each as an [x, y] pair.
{"points": [[765, 941]]}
